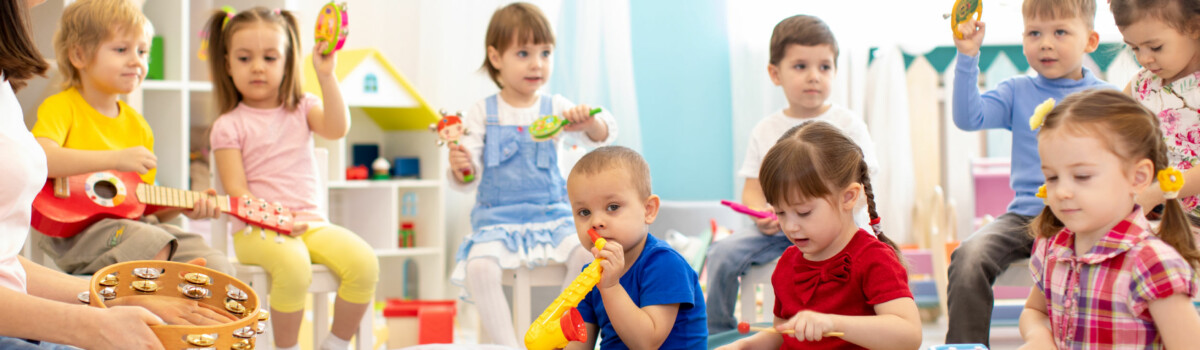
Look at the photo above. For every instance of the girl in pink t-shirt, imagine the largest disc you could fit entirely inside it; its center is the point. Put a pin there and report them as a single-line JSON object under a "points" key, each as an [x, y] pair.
{"points": [[263, 148]]}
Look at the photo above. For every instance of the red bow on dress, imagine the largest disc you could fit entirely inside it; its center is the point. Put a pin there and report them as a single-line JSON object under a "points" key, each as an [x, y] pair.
{"points": [[808, 280]]}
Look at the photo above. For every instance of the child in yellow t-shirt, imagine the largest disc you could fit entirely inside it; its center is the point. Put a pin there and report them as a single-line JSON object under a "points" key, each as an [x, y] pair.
{"points": [[102, 46]]}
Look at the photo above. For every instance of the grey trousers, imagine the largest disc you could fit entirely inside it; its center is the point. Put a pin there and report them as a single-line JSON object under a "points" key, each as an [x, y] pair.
{"points": [[111, 241], [974, 267]]}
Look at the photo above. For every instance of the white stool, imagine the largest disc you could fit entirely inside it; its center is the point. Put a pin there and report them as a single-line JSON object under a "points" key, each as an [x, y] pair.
{"points": [[522, 281], [755, 276]]}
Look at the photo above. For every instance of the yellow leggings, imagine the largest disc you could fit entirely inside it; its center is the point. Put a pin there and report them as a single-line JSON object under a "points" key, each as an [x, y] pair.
{"points": [[288, 260]]}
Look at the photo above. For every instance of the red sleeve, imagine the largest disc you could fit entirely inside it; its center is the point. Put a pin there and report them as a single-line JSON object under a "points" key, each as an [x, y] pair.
{"points": [[786, 261], [884, 278]]}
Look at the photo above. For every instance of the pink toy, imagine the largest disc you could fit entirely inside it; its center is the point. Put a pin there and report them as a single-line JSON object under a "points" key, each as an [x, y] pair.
{"points": [[738, 207]]}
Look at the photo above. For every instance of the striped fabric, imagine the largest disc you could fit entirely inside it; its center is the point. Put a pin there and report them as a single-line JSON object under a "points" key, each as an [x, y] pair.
{"points": [[1101, 299]]}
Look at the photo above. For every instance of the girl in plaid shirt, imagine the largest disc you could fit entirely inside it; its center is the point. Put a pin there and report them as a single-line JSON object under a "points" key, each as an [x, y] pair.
{"points": [[1104, 278]]}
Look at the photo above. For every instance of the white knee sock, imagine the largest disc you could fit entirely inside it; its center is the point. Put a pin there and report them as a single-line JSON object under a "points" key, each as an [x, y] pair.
{"points": [[575, 262], [483, 283], [332, 342], [293, 347]]}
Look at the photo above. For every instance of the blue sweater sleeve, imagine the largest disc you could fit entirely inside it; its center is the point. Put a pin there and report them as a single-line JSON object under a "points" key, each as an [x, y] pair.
{"points": [[975, 111]]}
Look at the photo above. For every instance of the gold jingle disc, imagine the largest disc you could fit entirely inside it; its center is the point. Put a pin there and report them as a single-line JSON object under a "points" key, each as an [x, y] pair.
{"points": [[149, 273], [197, 278], [109, 293], [193, 291], [84, 297], [235, 307], [244, 344], [262, 326], [109, 280], [263, 315], [204, 340], [145, 286]]}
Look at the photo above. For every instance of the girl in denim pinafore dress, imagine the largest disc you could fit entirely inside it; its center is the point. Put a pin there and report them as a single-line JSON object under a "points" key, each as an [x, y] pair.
{"points": [[521, 218]]}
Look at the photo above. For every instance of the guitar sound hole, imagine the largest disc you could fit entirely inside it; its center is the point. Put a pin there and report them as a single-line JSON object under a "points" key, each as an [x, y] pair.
{"points": [[105, 189]]}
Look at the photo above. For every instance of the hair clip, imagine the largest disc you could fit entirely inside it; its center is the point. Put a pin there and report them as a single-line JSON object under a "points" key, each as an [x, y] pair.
{"points": [[875, 226], [229, 14], [277, 11], [1170, 180], [1039, 114], [1041, 193]]}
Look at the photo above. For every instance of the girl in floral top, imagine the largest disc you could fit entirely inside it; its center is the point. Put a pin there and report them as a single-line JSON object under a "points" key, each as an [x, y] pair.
{"points": [[1165, 35], [1104, 279]]}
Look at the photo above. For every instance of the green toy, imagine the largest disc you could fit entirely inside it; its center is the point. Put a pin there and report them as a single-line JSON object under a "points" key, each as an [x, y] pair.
{"points": [[548, 127]]}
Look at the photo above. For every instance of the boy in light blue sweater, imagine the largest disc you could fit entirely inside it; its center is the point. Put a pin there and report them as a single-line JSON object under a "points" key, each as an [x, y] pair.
{"points": [[1057, 34]]}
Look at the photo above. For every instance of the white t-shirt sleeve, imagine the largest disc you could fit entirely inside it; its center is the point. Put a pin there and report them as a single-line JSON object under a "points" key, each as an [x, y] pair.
{"points": [[561, 104], [475, 121]]}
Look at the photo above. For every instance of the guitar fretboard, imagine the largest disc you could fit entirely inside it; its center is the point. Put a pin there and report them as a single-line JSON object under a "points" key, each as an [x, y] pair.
{"points": [[170, 197]]}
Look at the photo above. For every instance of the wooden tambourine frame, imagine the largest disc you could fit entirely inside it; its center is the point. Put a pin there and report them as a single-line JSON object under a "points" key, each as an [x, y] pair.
{"points": [[178, 280]]}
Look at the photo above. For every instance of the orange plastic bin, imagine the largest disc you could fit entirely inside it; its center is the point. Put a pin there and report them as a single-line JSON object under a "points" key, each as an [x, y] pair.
{"points": [[412, 322]]}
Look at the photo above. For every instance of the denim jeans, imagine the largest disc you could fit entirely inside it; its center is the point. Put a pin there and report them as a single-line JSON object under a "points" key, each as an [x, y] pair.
{"points": [[7, 343], [974, 267], [727, 260]]}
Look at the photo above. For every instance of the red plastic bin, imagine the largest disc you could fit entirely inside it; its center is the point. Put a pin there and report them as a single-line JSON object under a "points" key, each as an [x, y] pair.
{"points": [[412, 322]]}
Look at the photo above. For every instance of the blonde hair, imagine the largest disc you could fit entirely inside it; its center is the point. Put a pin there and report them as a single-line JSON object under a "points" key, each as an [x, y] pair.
{"points": [[815, 159], [87, 23], [1061, 9], [517, 19], [221, 32], [617, 158], [1129, 131]]}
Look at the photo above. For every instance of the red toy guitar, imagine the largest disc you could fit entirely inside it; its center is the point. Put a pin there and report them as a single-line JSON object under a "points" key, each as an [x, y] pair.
{"points": [[66, 206]]}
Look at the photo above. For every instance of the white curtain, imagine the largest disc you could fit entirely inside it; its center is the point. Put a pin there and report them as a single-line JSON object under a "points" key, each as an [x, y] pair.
{"points": [[594, 62], [887, 118]]}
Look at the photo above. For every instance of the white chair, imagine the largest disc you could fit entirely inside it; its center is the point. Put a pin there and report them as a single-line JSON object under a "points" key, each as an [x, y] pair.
{"points": [[522, 281], [324, 282], [755, 276]]}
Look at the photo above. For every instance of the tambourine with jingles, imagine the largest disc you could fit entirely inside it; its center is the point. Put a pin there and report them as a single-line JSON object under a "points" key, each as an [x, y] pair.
{"points": [[204, 285]]}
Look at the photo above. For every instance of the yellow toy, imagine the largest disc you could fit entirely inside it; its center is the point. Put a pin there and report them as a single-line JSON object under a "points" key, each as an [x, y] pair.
{"points": [[963, 9], [552, 330]]}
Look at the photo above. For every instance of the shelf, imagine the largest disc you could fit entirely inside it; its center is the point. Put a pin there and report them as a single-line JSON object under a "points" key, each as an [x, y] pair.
{"points": [[357, 184], [407, 252], [176, 85]]}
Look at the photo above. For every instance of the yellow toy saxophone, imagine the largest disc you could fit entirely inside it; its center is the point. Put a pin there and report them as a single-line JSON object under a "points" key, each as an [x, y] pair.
{"points": [[561, 323]]}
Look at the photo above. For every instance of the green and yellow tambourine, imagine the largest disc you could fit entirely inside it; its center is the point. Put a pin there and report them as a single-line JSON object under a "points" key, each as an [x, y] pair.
{"points": [[333, 25], [547, 127], [963, 11]]}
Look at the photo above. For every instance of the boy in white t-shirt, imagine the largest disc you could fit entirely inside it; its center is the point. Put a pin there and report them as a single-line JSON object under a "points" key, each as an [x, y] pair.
{"points": [[804, 63]]}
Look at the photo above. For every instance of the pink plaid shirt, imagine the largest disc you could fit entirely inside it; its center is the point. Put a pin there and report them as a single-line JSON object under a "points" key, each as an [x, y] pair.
{"points": [[1101, 299]]}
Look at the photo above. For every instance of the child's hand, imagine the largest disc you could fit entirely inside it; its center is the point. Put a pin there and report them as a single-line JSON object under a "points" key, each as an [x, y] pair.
{"points": [[613, 265], [205, 208], [136, 158], [460, 159], [580, 117], [809, 325], [323, 63], [768, 226], [972, 32], [737, 345]]}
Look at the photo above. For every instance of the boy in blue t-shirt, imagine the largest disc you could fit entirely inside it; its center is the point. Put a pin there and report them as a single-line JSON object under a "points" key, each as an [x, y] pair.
{"points": [[648, 296]]}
